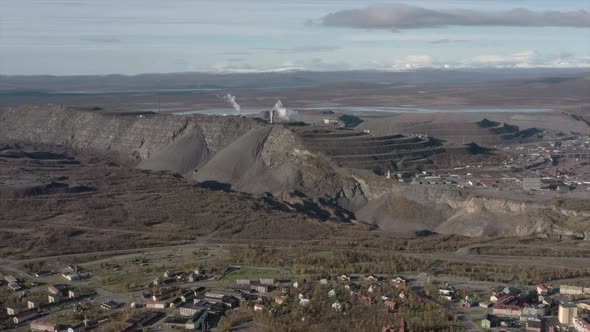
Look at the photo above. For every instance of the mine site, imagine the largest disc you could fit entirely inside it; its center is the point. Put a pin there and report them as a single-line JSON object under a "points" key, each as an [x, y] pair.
{"points": [[173, 175]]}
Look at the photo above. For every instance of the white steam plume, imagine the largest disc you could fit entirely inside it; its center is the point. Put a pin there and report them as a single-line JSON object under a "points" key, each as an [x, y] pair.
{"points": [[232, 100], [284, 113]]}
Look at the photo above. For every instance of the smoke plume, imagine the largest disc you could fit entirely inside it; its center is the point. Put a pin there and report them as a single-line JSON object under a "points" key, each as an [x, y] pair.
{"points": [[232, 100], [284, 113]]}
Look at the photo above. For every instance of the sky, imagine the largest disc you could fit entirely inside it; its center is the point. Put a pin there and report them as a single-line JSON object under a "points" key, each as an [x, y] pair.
{"points": [[79, 37]]}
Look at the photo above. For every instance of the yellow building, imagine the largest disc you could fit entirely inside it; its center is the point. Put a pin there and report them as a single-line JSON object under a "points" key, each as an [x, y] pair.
{"points": [[567, 313]]}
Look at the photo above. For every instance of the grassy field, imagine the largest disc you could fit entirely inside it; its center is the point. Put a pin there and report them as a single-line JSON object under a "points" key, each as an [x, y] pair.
{"points": [[251, 273]]}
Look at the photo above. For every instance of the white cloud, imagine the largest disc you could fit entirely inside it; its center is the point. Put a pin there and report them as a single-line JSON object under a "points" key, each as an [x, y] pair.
{"points": [[522, 59], [529, 59], [413, 62]]}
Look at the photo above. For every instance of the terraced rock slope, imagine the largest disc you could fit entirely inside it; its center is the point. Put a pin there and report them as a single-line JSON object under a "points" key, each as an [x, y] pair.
{"points": [[355, 149]]}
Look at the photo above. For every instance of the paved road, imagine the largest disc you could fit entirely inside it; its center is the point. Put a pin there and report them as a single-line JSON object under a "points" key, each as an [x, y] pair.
{"points": [[467, 322]]}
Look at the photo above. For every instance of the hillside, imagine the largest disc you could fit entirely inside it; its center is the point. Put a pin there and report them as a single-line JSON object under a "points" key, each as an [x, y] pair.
{"points": [[324, 175], [54, 200]]}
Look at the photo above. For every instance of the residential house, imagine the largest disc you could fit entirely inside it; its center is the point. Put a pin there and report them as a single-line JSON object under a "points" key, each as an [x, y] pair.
{"points": [[494, 298], [188, 296], [371, 278], [71, 276], [243, 281], [14, 286], [12, 311], [267, 281], [372, 288], [543, 289], [261, 288], [156, 304], [175, 302], [24, 316], [447, 291], [391, 305], [486, 304], [53, 298], [367, 299], [337, 306], [511, 291], [10, 279], [490, 321], [73, 293], [351, 286], [399, 281], [32, 304], [43, 326], [281, 299], [109, 305], [344, 277], [303, 301], [259, 307], [56, 289], [72, 269], [332, 293], [403, 295], [468, 302]]}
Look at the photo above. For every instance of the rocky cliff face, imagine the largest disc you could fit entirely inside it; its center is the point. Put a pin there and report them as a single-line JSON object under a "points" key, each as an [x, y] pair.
{"points": [[148, 141], [406, 207]]}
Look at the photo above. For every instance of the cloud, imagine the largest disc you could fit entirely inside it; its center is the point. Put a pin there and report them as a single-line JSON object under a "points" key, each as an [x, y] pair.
{"points": [[302, 49], [401, 16], [311, 64], [414, 62], [529, 59], [522, 59]]}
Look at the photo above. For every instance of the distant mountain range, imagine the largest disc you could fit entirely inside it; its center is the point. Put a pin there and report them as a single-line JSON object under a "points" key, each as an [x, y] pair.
{"points": [[268, 80]]}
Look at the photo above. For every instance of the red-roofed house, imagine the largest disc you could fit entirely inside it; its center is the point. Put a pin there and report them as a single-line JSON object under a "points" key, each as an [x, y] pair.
{"points": [[391, 305], [155, 304], [54, 290], [41, 326], [543, 289]]}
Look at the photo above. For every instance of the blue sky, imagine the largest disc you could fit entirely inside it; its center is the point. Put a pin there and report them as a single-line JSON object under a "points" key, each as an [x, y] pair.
{"points": [[61, 37]]}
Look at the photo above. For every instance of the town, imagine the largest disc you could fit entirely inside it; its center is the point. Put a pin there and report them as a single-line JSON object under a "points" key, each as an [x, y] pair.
{"points": [[158, 292]]}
